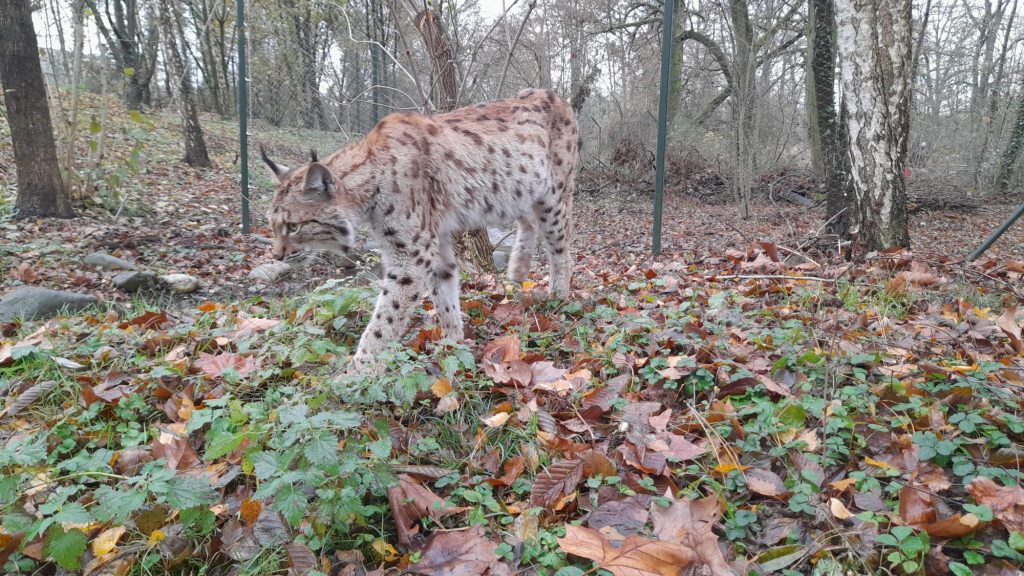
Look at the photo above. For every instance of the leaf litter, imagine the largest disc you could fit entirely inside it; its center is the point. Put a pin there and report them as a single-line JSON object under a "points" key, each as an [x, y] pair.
{"points": [[732, 405]]}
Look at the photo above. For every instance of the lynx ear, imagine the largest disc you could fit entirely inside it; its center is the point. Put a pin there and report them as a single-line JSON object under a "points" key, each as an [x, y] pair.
{"points": [[278, 170], [318, 181]]}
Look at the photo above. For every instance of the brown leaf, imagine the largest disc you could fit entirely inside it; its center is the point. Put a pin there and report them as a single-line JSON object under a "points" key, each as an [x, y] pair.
{"points": [[773, 386], [680, 449], [628, 516], [560, 479], [26, 398], [603, 396], [513, 468], [637, 556], [301, 559], [502, 350], [691, 523], [1006, 502], [214, 365], [1009, 325], [110, 390], [146, 321], [917, 507], [765, 483], [24, 272], [956, 526], [270, 529], [457, 553], [173, 445], [239, 542], [411, 501]]}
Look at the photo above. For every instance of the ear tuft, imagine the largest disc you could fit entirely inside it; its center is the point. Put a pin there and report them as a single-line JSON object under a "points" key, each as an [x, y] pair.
{"points": [[318, 181], [312, 155], [276, 168]]}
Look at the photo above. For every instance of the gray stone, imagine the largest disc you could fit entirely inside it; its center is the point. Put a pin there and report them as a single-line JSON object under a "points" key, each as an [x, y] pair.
{"points": [[182, 283], [31, 302], [103, 260], [134, 281], [270, 271]]}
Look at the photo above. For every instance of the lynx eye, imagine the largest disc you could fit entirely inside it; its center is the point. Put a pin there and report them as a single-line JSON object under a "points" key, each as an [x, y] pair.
{"points": [[292, 227]]}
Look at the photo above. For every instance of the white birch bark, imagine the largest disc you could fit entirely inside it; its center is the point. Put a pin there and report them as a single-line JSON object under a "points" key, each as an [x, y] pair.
{"points": [[874, 41]]}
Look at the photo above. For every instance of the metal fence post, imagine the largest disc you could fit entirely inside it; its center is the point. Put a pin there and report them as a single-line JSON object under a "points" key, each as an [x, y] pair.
{"points": [[243, 113], [659, 177], [995, 235]]}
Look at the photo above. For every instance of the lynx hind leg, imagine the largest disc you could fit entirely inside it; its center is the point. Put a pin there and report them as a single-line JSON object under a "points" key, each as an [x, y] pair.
{"points": [[444, 277], [522, 252]]}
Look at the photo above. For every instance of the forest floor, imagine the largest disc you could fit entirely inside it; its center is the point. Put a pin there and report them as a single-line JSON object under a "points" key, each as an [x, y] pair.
{"points": [[740, 404]]}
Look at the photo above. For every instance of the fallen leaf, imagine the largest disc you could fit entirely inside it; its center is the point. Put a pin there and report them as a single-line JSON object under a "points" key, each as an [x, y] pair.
{"points": [[146, 321], [690, 522], [559, 480], [301, 560], [765, 482], [1006, 502], [106, 541], [441, 387], [839, 510], [214, 365], [637, 556], [457, 553]]}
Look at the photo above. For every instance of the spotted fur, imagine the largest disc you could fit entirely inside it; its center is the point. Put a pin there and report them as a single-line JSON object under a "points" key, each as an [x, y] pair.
{"points": [[417, 180]]}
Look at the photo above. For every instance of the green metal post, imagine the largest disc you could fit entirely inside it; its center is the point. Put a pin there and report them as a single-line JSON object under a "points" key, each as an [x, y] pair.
{"points": [[995, 235], [243, 113], [659, 169]]}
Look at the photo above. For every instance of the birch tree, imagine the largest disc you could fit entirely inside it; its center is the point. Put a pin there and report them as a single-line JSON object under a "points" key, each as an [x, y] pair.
{"points": [[874, 41]]}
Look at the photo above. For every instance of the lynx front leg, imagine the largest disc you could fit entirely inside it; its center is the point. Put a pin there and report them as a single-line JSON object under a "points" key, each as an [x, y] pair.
{"points": [[403, 286], [522, 252], [445, 291]]}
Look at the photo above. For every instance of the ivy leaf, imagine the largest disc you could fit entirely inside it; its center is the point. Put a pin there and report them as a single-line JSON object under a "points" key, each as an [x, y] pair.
{"points": [[66, 548], [112, 503]]}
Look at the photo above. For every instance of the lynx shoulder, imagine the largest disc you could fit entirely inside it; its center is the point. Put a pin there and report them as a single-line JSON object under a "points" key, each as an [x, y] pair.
{"points": [[416, 180]]}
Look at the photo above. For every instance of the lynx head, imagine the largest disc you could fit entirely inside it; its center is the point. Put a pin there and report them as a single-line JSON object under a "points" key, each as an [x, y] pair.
{"points": [[306, 212]]}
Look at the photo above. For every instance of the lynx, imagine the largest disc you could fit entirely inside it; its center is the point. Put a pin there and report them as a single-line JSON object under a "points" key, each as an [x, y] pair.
{"points": [[416, 180]]}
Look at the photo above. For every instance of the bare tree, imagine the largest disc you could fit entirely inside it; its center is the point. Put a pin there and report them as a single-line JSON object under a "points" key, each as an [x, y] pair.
{"points": [[875, 60], [473, 247], [41, 191], [181, 86], [133, 48]]}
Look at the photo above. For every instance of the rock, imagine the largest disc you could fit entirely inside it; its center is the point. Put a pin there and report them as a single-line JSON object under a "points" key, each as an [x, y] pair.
{"points": [[108, 262], [182, 283], [30, 302], [133, 281], [270, 271]]}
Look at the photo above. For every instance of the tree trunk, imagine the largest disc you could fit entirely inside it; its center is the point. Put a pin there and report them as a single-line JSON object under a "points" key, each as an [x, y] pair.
{"points": [[830, 155], [41, 191], [1008, 161], [473, 248], [744, 103], [181, 87], [875, 60]]}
